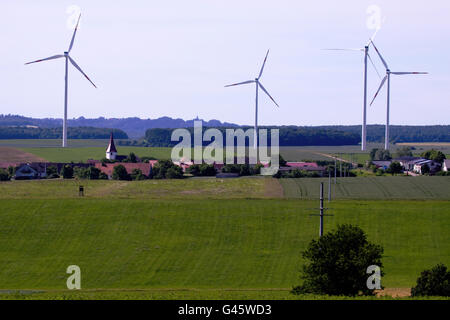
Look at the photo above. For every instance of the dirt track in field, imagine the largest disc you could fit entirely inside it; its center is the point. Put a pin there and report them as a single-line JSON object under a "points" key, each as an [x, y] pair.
{"points": [[9, 154]]}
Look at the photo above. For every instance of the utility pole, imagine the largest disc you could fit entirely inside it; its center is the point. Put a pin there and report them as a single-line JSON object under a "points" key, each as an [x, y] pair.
{"points": [[335, 168], [340, 169], [329, 185], [321, 209]]}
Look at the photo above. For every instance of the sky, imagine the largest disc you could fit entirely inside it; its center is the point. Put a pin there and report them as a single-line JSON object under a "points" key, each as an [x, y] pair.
{"points": [[172, 58]]}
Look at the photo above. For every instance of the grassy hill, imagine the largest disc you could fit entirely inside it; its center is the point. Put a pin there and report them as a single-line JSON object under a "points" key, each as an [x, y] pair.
{"points": [[194, 238]]}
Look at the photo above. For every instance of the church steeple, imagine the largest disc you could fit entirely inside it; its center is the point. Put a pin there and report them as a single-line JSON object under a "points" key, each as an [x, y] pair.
{"points": [[111, 151]]}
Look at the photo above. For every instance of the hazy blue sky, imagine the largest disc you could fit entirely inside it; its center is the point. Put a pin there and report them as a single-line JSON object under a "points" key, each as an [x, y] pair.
{"points": [[172, 58]]}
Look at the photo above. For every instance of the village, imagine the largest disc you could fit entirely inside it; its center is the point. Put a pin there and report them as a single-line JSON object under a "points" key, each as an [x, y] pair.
{"points": [[135, 168]]}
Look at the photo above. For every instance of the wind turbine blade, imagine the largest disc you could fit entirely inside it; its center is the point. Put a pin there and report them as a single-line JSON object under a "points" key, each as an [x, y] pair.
{"points": [[74, 33], [373, 36], [49, 58], [344, 49], [238, 84], [373, 65], [379, 54], [381, 86], [79, 69], [264, 63], [264, 89], [403, 73]]}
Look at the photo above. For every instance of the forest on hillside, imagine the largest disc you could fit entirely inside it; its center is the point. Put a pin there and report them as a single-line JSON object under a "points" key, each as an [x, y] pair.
{"points": [[56, 133]]}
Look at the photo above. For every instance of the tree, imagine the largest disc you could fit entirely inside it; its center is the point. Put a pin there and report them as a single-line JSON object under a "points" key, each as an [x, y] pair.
{"points": [[94, 173], [425, 169], [136, 174], [166, 169], [395, 167], [380, 154], [52, 172], [4, 175], [404, 152], [433, 282], [131, 158], [103, 176], [435, 155], [338, 263], [281, 161], [67, 172], [120, 173], [174, 172]]}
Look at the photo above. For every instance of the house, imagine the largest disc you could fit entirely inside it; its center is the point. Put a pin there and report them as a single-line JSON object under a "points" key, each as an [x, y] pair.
{"points": [[38, 170], [446, 165], [304, 166], [432, 165], [108, 168], [25, 172], [382, 164]]}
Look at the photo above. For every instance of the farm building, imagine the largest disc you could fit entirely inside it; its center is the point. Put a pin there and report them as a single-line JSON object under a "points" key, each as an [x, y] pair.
{"points": [[408, 162], [304, 166], [382, 164], [446, 165], [432, 165], [26, 172]]}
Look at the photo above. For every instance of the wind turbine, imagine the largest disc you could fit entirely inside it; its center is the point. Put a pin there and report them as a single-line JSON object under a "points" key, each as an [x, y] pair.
{"points": [[258, 85], [68, 58], [388, 78], [366, 56]]}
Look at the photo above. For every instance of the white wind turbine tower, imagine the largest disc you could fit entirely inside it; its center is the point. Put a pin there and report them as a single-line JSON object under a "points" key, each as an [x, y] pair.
{"points": [[258, 85], [68, 58], [388, 78], [366, 56]]}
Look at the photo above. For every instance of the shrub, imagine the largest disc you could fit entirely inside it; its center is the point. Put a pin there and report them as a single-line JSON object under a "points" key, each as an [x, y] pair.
{"points": [[52, 172], [174, 172], [433, 282], [67, 172], [103, 176], [338, 263], [4, 175], [395, 167], [160, 170], [137, 174]]}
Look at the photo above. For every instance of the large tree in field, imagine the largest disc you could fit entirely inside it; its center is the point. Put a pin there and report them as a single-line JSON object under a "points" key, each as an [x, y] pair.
{"points": [[337, 263]]}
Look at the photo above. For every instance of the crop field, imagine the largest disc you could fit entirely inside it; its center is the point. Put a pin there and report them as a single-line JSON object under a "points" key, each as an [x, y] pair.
{"points": [[383, 188], [174, 239], [9, 154], [83, 154]]}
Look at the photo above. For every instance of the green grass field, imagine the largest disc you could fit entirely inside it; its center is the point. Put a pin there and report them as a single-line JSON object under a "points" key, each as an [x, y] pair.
{"points": [[202, 238]]}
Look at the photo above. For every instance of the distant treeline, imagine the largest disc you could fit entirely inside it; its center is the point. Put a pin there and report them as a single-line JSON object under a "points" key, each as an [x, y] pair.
{"points": [[289, 136], [375, 133], [133, 126], [56, 133]]}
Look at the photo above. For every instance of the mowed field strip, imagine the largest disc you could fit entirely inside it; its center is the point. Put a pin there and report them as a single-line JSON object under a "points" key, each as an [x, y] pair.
{"points": [[383, 188], [10, 154]]}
